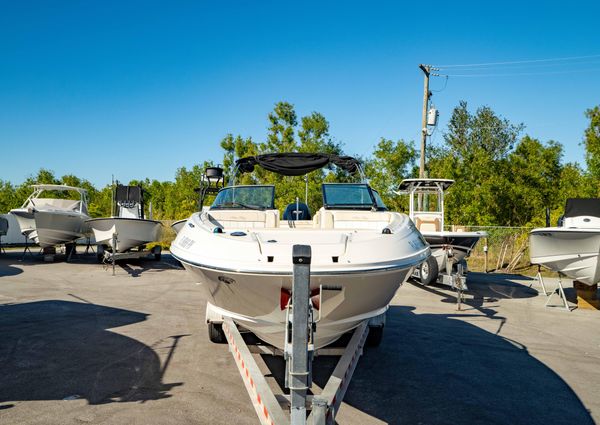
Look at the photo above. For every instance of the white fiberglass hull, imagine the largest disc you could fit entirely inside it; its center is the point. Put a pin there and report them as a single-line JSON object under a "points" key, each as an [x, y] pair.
{"points": [[461, 244], [51, 227], [178, 225], [255, 301], [354, 273], [571, 251], [131, 232], [25, 220], [58, 227]]}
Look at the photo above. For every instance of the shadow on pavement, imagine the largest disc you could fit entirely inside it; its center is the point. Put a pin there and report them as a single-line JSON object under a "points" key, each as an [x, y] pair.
{"points": [[136, 267], [433, 369], [8, 270], [485, 288], [55, 350]]}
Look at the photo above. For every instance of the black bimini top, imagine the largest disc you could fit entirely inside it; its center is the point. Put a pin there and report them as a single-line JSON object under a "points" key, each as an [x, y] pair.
{"points": [[582, 206], [295, 163]]}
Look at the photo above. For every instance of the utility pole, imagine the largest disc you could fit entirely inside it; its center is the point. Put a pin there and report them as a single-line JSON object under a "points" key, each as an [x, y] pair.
{"points": [[426, 94]]}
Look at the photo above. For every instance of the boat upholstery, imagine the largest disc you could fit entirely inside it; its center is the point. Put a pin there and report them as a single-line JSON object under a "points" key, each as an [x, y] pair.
{"points": [[332, 219], [246, 219], [428, 224]]}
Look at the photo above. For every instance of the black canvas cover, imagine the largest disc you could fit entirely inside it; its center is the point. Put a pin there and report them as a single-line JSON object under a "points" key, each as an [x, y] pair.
{"points": [[295, 163], [582, 206], [129, 194]]}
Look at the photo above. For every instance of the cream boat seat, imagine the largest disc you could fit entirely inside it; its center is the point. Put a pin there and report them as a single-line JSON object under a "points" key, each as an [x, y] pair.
{"points": [[245, 219], [336, 219]]}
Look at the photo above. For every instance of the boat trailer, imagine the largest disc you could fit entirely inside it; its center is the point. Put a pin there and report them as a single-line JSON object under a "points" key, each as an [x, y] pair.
{"points": [[454, 276], [298, 353], [109, 258]]}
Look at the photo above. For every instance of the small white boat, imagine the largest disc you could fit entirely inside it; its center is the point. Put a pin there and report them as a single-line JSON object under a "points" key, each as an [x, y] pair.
{"points": [[129, 226], [53, 221], [571, 248], [429, 219], [240, 252]]}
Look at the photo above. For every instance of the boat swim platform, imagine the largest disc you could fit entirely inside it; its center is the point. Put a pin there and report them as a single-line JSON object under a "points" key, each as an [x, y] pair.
{"points": [[80, 346]]}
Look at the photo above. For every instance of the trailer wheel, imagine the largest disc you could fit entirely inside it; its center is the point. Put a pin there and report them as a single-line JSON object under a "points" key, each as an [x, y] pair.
{"points": [[375, 336], [100, 253], [428, 271], [70, 249], [215, 333], [157, 250]]}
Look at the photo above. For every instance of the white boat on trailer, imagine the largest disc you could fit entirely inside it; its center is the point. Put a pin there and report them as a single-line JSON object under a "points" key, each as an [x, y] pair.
{"points": [[51, 221], [572, 247], [239, 251], [301, 283], [449, 249], [117, 236]]}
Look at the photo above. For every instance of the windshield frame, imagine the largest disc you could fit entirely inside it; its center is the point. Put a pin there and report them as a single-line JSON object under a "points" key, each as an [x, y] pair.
{"points": [[376, 203], [242, 205]]}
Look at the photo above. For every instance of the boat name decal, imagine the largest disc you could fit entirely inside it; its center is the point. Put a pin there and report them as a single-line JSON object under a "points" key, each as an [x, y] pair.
{"points": [[186, 242], [416, 244]]}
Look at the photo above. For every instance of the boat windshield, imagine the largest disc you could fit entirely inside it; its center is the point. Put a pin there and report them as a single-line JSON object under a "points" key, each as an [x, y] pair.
{"points": [[245, 197], [351, 196], [380, 205]]}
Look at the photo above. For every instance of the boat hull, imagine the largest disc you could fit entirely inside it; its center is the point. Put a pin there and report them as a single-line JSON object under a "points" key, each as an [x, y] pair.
{"points": [[461, 243], [59, 227], [257, 301], [178, 225], [25, 220], [572, 252], [246, 273], [131, 232]]}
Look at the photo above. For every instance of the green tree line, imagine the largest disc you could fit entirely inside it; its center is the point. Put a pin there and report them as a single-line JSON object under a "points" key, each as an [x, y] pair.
{"points": [[503, 176]]}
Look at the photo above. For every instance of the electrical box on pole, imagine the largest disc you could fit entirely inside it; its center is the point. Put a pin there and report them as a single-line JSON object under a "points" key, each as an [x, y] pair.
{"points": [[432, 117]]}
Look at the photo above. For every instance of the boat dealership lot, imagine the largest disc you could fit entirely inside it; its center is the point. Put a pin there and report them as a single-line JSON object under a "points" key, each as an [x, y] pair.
{"points": [[78, 345]]}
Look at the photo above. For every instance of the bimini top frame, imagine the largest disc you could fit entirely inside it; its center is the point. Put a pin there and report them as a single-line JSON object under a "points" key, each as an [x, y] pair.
{"points": [[414, 187]]}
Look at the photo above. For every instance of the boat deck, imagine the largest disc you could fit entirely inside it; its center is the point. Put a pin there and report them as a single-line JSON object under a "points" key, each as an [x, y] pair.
{"points": [[81, 346]]}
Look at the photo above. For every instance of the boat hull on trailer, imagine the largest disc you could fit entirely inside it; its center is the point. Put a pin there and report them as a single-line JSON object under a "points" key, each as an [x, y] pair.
{"points": [[354, 274], [255, 300], [131, 232], [571, 251], [51, 227], [461, 244]]}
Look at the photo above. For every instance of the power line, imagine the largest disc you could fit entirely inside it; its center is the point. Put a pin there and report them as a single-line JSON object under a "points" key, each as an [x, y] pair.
{"points": [[445, 83], [519, 62], [517, 74], [558, 66]]}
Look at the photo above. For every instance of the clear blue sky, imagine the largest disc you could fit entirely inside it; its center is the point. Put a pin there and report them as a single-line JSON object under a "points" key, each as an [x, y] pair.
{"points": [[140, 88]]}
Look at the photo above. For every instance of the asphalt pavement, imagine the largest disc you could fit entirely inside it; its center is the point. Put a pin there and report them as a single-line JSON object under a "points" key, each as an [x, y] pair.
{"points": [[78, 345]]}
